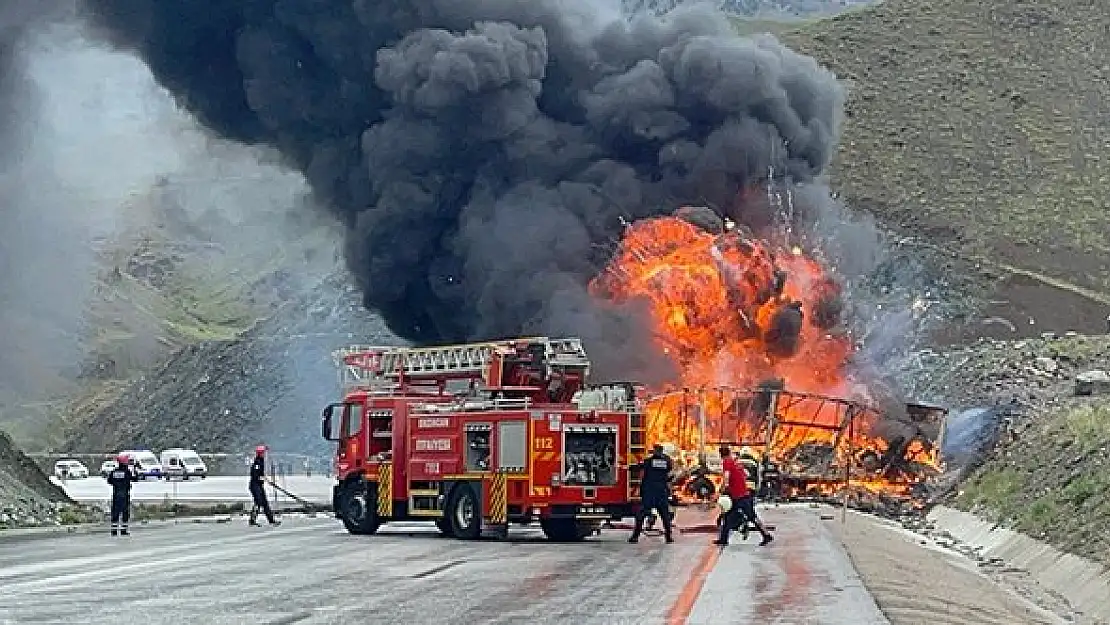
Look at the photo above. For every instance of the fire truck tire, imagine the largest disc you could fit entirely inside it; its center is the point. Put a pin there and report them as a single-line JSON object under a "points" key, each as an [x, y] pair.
{"points": [[444, 526], [465, 513], [566, 530], [360, 514]]}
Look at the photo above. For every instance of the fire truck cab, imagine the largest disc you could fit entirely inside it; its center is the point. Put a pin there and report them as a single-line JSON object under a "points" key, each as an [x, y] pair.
{"points": [[475, 437]]}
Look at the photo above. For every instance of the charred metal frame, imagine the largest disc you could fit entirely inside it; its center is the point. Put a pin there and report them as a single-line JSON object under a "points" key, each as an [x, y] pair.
{"points": [[784, 411]]}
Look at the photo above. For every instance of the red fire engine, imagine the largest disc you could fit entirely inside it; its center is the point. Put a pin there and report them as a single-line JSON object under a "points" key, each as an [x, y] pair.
{"points": [[475, 437]]}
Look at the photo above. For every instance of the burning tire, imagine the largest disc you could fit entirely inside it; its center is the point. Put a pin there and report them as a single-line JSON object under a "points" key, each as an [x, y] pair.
{"points": [[358, 508], [465, 513], [566, 530]]}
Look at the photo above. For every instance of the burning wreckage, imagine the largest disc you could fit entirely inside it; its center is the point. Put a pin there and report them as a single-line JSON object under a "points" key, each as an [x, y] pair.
{"points": [[806, 447], [756, 332]]}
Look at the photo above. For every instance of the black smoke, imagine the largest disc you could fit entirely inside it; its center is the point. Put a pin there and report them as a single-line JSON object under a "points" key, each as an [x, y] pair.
{"points": [[486, 154]]}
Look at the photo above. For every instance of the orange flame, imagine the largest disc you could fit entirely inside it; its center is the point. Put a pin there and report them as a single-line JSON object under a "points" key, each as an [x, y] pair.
{"points": [[725, 307]]}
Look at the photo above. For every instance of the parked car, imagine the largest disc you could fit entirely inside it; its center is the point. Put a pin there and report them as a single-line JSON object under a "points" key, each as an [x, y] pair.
{"points": [[184, 463], [70, 470], [146, 463], [107, 467]]}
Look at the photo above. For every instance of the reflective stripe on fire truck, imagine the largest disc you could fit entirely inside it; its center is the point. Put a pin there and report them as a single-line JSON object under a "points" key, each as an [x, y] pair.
{"points": [[481, 476], [499, 500], [385, 489], [545, 456], [593, 429]]}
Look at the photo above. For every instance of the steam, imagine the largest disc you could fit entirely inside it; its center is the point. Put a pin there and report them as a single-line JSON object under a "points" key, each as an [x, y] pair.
{"points": [[93, 147], [485, 153]]}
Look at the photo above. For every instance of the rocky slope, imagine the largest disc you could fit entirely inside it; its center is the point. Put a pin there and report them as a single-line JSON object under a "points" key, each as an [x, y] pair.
{"points": [[1034, 453], [27, 497], [267, 385]]}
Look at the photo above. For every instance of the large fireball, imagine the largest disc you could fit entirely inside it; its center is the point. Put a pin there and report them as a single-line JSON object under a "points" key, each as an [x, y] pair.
{"points": [[733, 312], [737, 313]]}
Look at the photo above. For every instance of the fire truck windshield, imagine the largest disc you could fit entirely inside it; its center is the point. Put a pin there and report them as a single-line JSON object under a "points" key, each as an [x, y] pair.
{"points": [[352, 420]]}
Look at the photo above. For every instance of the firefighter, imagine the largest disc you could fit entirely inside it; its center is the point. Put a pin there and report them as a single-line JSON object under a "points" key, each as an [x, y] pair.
{"points": [[770, 482], [735, 485], [258, 493], [699, 485], [120, 478], [654, 492], [750, 463]]}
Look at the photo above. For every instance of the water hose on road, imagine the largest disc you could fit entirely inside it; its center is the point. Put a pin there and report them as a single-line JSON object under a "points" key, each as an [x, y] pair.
{"points": [[309, 507]]}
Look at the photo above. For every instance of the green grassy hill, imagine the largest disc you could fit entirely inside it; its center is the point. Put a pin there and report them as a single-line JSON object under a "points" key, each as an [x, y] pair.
{"points": [[977, 126]]}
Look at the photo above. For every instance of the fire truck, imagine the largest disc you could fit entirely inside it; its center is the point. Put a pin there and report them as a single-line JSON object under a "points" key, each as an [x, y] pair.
{"points": [[479, 436]]}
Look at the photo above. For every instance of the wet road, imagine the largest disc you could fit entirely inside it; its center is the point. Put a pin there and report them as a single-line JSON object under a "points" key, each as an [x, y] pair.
{"points": [[310, 571]]}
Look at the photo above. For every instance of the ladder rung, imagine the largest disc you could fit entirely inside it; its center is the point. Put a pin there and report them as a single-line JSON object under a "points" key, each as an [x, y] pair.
{"points": [[468, 358], [424, 493]]}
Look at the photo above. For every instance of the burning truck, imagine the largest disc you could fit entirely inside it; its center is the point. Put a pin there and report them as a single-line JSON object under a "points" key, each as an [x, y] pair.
{"points": [[755, 329], [816, 447]]}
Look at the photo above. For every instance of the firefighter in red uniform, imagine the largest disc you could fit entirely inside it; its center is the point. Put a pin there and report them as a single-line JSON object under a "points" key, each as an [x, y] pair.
{"points": [[735, 485]]}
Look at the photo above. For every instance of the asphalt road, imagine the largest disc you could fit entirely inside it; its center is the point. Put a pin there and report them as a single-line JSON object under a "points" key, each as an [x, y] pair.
{"points": [[221, 489], [311, 571]]}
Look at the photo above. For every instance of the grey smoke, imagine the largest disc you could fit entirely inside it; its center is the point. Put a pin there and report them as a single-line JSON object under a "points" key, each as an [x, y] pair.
{"points": [[970, 432], [90, 143]]}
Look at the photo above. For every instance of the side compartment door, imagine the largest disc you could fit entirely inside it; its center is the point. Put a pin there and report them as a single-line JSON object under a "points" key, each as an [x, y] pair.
{"points": [[512, 446]]}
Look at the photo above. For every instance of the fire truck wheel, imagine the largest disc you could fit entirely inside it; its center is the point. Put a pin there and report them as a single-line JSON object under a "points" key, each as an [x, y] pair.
{"points": [[444, 526], [566, 530], [360, 515], [465, 513]]}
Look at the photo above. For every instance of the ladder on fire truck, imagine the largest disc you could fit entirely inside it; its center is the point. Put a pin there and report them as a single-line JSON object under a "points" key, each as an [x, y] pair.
{"points": [[361, 366]]}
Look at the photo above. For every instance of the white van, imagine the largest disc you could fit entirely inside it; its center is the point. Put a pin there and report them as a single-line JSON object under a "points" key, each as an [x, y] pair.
{"points": [[183, 462], [70, 469], [146, 463]]}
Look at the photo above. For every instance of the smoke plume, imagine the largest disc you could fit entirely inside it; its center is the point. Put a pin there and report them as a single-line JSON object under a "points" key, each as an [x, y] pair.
{"points": [[485, 154], [91, 147]]}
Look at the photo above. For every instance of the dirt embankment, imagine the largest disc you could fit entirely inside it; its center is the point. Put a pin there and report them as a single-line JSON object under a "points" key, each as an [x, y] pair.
{"points": [[27, 497], [1049, 475], [975, 126]]}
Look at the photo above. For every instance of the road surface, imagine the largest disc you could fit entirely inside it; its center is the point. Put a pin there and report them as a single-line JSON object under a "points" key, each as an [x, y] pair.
{"points": [[311, 571], [218, 489]]}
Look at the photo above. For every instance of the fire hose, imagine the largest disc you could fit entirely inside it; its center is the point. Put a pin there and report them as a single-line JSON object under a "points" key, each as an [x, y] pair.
{"points": [[308, 506]]}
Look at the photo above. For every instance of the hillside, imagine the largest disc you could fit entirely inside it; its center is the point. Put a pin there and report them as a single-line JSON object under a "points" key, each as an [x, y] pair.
{"points": [[171, 276], [27, 497], [977, 128], [266, 385], [1048, 475]]}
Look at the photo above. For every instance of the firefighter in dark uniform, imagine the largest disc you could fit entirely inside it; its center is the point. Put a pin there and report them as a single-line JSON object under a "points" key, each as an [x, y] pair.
{"points": [[258, 493], [655, 492], [747, 460], [770, 482], [121, 478], [750, 463]]}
